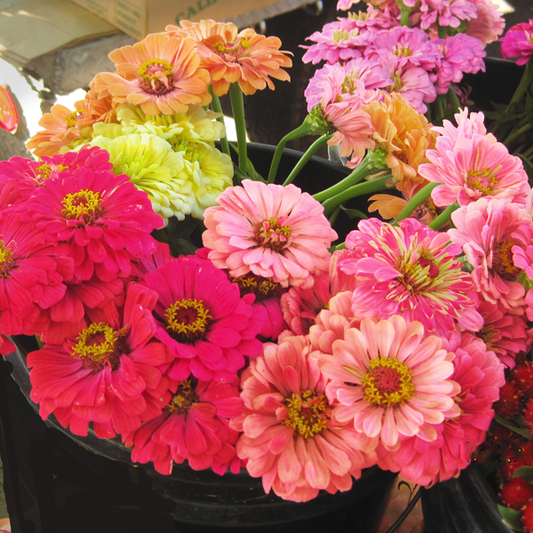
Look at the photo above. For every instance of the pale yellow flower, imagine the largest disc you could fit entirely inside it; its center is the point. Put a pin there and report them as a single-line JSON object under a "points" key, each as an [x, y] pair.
{"points": [[154, 167]]}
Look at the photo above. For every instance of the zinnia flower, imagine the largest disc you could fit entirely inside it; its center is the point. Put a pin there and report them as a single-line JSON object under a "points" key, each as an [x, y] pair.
{"points": [[410, 270], [246, 58], [289, 438], [273, 231], [480, 375], [193, 427], [104, 219], [160, 74], [391, 379], [111, 374], [518, 42], [204, 321]]}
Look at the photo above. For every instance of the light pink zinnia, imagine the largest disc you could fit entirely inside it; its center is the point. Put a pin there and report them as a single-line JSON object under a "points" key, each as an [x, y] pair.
{"points": [[289, 438], [480, 375], [486, 231], [391, 379], [410, 270], [273, 231], [203, 320], [193, 427], [111, 374], [471, 167], [488, 24], [105, 220]]}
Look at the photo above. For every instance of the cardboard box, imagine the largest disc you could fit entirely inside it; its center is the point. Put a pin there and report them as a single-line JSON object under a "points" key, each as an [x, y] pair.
{"points": [[138, 18]]}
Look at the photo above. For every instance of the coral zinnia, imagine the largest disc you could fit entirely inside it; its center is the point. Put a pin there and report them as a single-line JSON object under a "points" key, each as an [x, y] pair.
{"points": [[193, 426], [111, 374], [391, 378], [105, 220], [410, 270], [289, 438], [246, 58], [160, 74], [208, 327], [273, 231]]}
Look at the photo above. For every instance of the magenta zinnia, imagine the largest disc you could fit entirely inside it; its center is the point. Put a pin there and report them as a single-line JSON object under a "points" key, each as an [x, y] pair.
{"points": [[273, 231], [204, 321], [410, 270], [104, 219], [111, 374], [289, 438]]}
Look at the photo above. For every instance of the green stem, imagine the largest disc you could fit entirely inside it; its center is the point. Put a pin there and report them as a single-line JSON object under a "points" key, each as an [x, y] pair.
{"points": [[307, 155], [300, 131], [334, 216], [414, 202], [356, 190], [443, 32], [525, 82], [444, 217], [452, 98], [404, 20], [237, 105], [217, 108], [516, 134], [360, 172]]}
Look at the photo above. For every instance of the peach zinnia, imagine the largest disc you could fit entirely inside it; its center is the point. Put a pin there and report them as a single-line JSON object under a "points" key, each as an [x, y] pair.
{"points": [[160, 74]]}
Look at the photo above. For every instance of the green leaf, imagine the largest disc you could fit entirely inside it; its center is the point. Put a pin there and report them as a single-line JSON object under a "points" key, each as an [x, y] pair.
{"points": [[512, 426], [511, 518], [525, 472], [353, 213]]}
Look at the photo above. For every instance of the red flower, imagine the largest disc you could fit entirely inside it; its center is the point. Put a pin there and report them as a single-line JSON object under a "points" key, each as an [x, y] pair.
{"points": [[515, 493]]}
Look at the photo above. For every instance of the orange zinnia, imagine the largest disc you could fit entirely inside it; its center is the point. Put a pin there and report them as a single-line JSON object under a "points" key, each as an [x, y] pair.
{"points": [[246, 58], [404, 134], [160, 74]]}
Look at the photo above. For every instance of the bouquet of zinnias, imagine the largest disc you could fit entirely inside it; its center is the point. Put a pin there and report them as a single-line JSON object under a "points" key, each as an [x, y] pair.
{"points": [[270, 346]]}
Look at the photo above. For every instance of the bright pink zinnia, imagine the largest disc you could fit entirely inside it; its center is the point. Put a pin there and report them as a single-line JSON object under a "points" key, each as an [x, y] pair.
{"points": [[288, 436], [410, 270], [104, 218], [111, 374], [194, 427], [273, 231], [32, 274], [203, 320], [518, 42], [486, 231], [391, 379]]}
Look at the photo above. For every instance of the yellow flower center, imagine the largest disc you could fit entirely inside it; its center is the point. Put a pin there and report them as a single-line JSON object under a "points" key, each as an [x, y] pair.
{"points": [[388, 382], [484, 180], [72, 119], [502, 260], [98, 344], [6, 259], [261, 287], [156, 76], [402, 51], [419, 275], [306, 413], [187, 320], [273, 233], [183, 399], [343, 35], [44, 171], [84, 206]]}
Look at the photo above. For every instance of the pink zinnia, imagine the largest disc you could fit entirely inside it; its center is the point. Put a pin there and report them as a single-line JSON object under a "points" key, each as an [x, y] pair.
{"points": [[480, 375], [104, 218], [391, 379], [486, 231], [273, 231], [32, 274], [518, 42], [203, 320], [471, 167], [410, 270], [289, 438], [488, 24], [111, 374], [193, 427]]}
